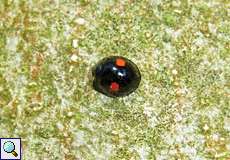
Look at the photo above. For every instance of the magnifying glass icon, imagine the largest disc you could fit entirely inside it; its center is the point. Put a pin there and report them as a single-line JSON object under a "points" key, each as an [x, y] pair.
{"points": [[9, 147]]}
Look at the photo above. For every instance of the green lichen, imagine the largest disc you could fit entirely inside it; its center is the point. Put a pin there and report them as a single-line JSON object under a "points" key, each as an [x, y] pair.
{"points": [[180, 110]]}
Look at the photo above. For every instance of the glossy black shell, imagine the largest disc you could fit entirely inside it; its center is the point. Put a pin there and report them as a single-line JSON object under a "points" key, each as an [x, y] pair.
{"points": [[106, 72]]}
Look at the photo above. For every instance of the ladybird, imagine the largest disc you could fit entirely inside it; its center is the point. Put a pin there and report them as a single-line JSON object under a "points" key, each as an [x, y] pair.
{"points": [[116, 76]]}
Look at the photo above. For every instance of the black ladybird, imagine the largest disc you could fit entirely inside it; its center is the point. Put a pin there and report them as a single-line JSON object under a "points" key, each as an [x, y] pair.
{"points": [[116, 76]]}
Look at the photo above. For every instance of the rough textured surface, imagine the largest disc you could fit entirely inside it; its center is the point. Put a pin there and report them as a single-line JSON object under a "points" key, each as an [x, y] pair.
{"points": [[180, 111]]}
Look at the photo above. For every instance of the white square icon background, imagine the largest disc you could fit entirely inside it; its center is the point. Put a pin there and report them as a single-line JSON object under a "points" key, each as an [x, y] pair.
{"points": [[8, 156]]}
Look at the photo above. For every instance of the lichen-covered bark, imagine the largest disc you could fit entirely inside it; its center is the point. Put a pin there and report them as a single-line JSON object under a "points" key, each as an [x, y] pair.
{"points": [[180, 111]]}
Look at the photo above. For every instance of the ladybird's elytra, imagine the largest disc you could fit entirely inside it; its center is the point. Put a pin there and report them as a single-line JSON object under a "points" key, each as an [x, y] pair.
{"points": [[116, 76], [120, 62]]}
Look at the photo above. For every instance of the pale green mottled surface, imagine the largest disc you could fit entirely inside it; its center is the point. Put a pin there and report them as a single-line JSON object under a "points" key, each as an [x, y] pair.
{"points": [[180, 111]]}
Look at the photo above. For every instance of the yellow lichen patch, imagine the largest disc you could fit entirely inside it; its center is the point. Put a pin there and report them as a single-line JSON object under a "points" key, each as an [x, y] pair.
{"points": [[34, 70], [216, 147]]}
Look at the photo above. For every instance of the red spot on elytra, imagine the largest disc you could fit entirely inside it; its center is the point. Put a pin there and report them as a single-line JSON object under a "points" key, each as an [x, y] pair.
{"points": [[114, 86], [120, 62]]}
